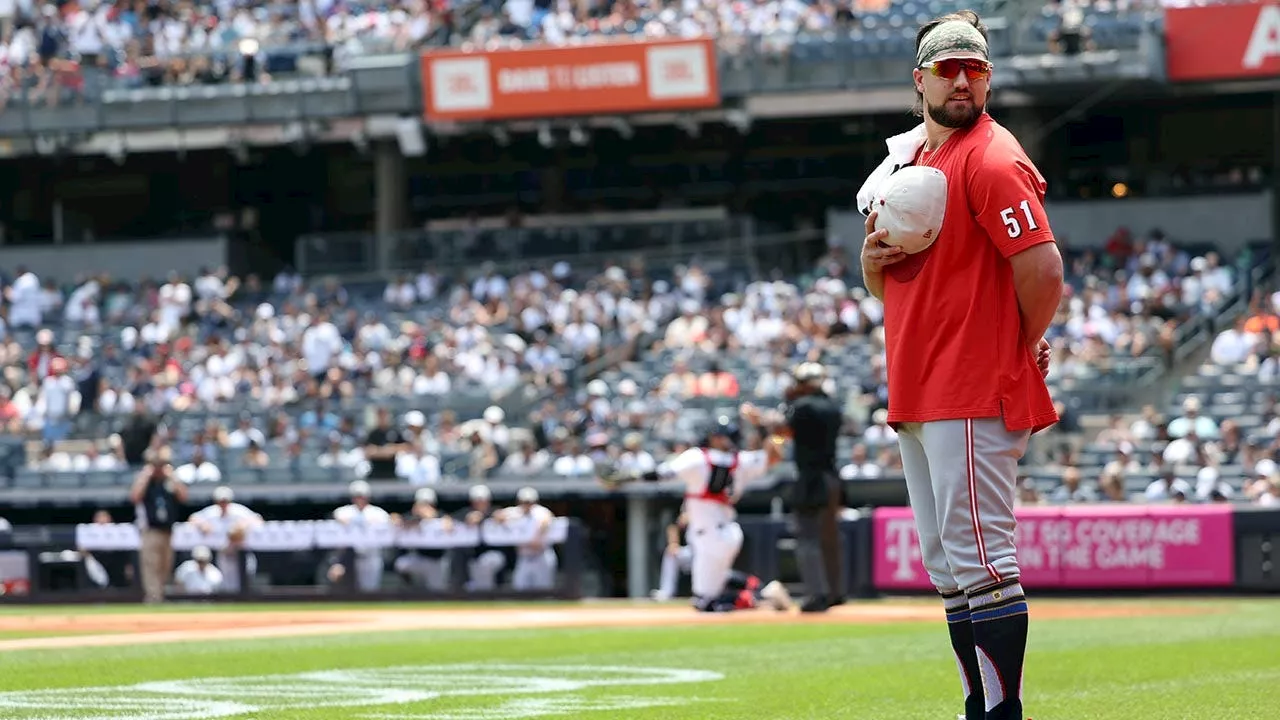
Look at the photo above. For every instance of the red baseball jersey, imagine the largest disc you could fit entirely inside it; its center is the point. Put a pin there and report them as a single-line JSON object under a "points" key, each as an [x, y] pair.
{"points": [[953, 331]]}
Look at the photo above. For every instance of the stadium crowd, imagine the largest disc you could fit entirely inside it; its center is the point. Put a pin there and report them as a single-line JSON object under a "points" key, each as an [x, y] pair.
{"points": [[62, 50], [364, 381]]}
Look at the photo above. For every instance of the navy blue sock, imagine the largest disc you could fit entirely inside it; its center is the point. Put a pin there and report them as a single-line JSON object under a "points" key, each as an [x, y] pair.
{"points": [[999, 616], [961, 630]]}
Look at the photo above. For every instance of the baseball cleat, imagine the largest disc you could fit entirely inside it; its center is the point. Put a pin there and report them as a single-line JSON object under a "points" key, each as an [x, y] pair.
{"points": [[777, 596]]}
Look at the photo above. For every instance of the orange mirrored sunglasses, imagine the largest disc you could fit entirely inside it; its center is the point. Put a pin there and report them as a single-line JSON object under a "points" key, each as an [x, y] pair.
{"points": [[951, 67]]}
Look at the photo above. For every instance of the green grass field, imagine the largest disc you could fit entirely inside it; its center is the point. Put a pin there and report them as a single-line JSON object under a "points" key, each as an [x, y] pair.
{"points": [[1223, 665]]}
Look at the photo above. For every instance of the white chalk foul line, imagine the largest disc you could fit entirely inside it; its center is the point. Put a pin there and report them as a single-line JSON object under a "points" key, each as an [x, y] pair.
{"points": [[533, 707]]}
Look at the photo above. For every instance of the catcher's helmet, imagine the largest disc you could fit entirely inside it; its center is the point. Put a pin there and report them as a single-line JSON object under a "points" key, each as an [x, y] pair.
{"points": [[726, 427]]}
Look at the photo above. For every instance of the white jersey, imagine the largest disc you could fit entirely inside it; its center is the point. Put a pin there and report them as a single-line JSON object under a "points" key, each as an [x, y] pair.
{"points": [[713, 481], [370, 516], [196, 580], [234, 515]]}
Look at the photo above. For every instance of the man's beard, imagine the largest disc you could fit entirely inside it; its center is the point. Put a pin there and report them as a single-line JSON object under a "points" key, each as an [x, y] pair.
{"points": [[955, 117]]}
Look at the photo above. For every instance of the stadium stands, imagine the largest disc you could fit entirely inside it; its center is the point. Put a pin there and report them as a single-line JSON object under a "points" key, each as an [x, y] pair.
{"points": [[486, 373], [52, 54]]}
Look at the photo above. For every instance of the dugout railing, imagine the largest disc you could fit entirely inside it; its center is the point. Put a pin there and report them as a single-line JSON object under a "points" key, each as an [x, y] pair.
{"points": [[1114, 549]]}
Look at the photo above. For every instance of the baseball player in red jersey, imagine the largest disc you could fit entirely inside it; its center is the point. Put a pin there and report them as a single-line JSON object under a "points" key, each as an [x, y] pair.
{"points": [[964, 325]]}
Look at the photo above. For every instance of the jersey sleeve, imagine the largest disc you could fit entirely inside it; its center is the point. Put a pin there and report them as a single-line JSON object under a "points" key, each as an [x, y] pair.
{"points": [[1006, 192], [752, 465], [687, 467]]}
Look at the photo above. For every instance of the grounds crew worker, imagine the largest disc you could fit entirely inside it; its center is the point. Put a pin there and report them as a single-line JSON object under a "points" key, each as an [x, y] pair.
{"points": [[813, 421]]}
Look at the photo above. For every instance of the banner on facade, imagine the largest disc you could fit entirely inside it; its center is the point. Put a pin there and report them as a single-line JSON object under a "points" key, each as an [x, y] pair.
{"points": [[617, 77], [1087, 546], [1223, 42]]}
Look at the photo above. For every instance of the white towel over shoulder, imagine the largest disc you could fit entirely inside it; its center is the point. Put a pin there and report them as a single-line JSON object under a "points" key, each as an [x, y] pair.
{"points": [[902, 150]]}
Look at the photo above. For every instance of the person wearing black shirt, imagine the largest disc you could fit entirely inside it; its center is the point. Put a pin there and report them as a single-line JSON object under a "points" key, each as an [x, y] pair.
{"points": [[381, 446], [814, 420], [158, 498]]}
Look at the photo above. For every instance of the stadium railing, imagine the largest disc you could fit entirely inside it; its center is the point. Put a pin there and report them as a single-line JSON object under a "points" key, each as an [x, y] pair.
{"points": [[663, 237]]}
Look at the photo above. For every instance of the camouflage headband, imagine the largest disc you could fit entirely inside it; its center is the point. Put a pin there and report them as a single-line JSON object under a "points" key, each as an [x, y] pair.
{"points": [[950, 37]]}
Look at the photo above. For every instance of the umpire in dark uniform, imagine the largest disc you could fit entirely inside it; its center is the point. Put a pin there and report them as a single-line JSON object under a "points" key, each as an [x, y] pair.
{"points": [[814, 420]]}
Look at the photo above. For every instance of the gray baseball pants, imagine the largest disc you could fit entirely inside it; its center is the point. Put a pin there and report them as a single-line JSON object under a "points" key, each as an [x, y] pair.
{"points": [[961, 478]]}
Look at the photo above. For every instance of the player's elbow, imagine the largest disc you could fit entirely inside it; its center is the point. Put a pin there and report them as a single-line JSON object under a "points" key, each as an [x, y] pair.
{"points": [[1039, 266]]}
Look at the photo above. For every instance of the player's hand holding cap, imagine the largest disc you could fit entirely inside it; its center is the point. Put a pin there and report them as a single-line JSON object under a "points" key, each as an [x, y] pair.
{"points": [[910, 205]]}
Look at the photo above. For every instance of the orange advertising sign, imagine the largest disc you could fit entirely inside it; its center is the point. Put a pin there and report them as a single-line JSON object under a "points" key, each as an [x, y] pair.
{"points": [[1223, 42], [624, 77]]}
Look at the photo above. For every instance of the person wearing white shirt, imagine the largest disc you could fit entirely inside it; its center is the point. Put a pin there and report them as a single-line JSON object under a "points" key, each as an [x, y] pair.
{"points": [[400, 294], [24, 300], [541, 357], [1165, 489], [1234, 346], [536, 559], [93, 461], [336, 457], [58, 402], [199, 470], [1192, 422], [1209, 482], [860, 466], [433, 380], [418, 466], [528, 460], [230, 518], [634, 457], [360, 513], [245, 435], [427, 286], [494, 429], [320, 344], [573, 464], [199, 576], [82, 305], [175, 303], [879, 433]]}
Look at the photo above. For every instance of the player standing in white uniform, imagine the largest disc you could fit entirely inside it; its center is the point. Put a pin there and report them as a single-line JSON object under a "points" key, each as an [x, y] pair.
{"points": [[226, 516], [715, 477], [360, 513], [535, 560]]}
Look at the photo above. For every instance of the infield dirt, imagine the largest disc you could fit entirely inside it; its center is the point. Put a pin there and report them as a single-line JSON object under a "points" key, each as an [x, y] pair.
{"points": [[99, 630]]}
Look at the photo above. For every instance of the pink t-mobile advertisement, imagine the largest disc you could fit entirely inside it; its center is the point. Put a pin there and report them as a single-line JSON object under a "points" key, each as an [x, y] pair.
{"points": [[1088, 546]]}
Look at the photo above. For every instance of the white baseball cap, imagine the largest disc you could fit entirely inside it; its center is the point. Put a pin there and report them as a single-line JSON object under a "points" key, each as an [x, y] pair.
{"points": [[911, 204], [479, 492], [425, 495], [359, 488], [527, 495]]}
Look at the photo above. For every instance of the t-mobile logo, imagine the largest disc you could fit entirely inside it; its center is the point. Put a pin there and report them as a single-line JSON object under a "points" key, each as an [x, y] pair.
{"points": [[902, 548]]}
